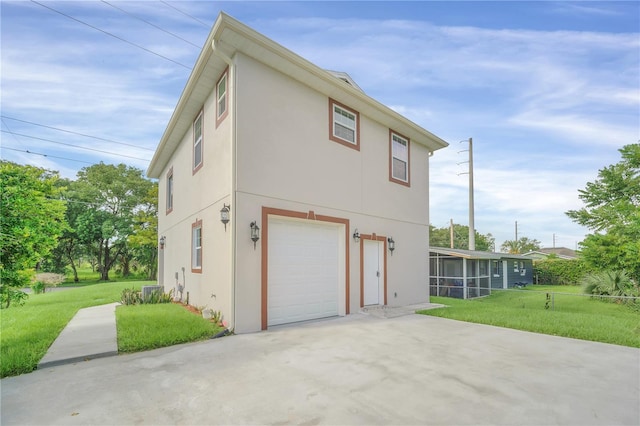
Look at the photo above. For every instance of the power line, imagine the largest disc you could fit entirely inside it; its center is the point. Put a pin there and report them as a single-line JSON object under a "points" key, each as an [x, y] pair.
{"points": [[110, 34], [186, 14], [45, 155], [9, 129], [75, 146], [74, 133], [151, 23]]}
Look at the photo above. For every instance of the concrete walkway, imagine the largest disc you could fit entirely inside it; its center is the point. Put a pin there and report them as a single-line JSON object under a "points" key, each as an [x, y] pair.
{"points": [[90, 334]]}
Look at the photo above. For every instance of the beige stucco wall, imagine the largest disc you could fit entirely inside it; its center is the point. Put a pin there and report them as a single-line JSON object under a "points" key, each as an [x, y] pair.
{"points": [[286, 161], [200, 196]]}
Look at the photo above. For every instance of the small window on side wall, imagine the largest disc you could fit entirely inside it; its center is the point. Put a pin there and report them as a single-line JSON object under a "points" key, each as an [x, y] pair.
{"points": [[169, 193], [496, 268], [222, 97], [197, 143], [344, 125], [196, 246], [399, 158]]}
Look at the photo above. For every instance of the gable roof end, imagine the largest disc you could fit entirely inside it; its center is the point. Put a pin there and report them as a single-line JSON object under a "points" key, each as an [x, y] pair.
{"points": [[229, 36]]}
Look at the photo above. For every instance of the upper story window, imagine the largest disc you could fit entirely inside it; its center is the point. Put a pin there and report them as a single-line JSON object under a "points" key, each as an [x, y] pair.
{"points": [[399, 158], [344, 125], [197, 143], [222, 98], [170, 190], [196, 246]]}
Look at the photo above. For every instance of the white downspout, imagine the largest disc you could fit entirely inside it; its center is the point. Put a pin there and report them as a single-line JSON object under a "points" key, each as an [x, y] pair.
{"points": [[232, 202]]}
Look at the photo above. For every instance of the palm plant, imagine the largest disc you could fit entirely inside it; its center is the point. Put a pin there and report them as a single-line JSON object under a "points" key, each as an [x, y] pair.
{"points": [[610, 283]]}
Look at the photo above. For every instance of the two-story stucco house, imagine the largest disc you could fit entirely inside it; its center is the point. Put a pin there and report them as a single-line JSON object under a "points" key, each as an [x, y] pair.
{"points": [[285, 192]]}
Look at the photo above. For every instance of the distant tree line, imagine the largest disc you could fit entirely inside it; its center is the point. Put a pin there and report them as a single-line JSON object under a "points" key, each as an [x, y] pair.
{"points": [[443, 237]]}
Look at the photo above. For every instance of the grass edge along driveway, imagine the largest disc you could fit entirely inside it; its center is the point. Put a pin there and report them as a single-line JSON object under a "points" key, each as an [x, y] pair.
{"points": [[573, 316], [27, 332]]}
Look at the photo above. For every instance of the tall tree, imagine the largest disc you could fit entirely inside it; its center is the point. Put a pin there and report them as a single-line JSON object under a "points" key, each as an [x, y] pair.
{"points": [[521, 245], [144, 240], [115, 193], [441, 237], [70, 247], [612, 211], [32, 219]]}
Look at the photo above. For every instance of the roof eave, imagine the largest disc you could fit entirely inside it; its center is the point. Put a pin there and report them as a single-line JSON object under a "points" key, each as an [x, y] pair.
{"points": [[280, 58]]}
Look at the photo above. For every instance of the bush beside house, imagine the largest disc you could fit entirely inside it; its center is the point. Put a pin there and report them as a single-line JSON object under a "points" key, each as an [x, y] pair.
{"points": [[560, 271]]}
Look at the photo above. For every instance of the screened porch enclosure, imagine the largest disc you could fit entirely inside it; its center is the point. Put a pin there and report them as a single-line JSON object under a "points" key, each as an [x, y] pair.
{"points": [[462, 278]]}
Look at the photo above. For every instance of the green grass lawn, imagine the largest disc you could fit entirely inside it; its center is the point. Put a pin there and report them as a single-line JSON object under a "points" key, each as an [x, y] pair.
{"points": [[88, 276], [26, 332], [144, 327], [567, 315]]}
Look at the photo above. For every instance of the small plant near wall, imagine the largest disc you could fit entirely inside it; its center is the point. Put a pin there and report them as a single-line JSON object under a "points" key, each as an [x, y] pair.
{"points": [[131, 297], [215, 317], [134, 297]]}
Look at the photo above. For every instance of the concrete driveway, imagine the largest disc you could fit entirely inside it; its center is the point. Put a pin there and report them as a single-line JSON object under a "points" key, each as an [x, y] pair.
{"points": [[354, 370]]}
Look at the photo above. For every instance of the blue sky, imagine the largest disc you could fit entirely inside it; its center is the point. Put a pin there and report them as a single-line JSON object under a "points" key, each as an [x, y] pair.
{"points": [[549, 91]]}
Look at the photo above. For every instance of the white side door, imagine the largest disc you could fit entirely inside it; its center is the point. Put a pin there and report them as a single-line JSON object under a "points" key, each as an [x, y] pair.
{"points": [[373, 271]]}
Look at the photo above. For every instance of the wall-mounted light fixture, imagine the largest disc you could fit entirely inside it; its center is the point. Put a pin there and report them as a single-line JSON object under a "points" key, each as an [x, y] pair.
{"points": [[392, 245], [224, 215], [163, 240], [255, 233], [356, 236]]}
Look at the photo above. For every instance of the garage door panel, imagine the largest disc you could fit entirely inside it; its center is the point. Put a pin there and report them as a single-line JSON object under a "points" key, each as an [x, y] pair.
{"points": [[303, 271]]}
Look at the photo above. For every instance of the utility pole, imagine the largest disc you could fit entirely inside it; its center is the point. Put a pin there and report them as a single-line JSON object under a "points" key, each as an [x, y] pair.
{"points": [[451, 232], [472, 228], [554, 240], [516, 230]]}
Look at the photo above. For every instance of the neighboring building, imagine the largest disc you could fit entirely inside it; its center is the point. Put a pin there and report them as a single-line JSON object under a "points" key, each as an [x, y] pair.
{"points": [[283, 188], [466, 274], [559, 252]]}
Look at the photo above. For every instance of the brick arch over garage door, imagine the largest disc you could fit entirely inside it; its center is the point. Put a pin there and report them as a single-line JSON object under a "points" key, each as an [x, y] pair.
{"points": [[312, 226]]}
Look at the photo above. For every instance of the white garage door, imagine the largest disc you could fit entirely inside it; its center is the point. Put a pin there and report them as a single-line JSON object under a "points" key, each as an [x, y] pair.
{"points": [[304, 270]]}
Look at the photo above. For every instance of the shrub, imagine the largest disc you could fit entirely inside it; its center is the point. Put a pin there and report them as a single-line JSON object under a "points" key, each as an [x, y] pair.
{"points": [[560, 271], [131, 296], [158, 296], [37, 287], [134, 297], [46, 280], [610, 283]]}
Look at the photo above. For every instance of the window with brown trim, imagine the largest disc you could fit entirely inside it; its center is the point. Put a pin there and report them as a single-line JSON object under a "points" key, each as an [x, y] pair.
{"points": [[222, 97], [344, 125], [196, 246], [169, 190], [197, 143], [399, 158]]}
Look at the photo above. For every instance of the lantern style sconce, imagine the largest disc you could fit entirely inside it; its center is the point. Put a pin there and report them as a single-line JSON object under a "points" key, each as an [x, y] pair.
{"points": [[163, 240], [224, 215], [356, 236], [255, 233], [392, 245]]}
